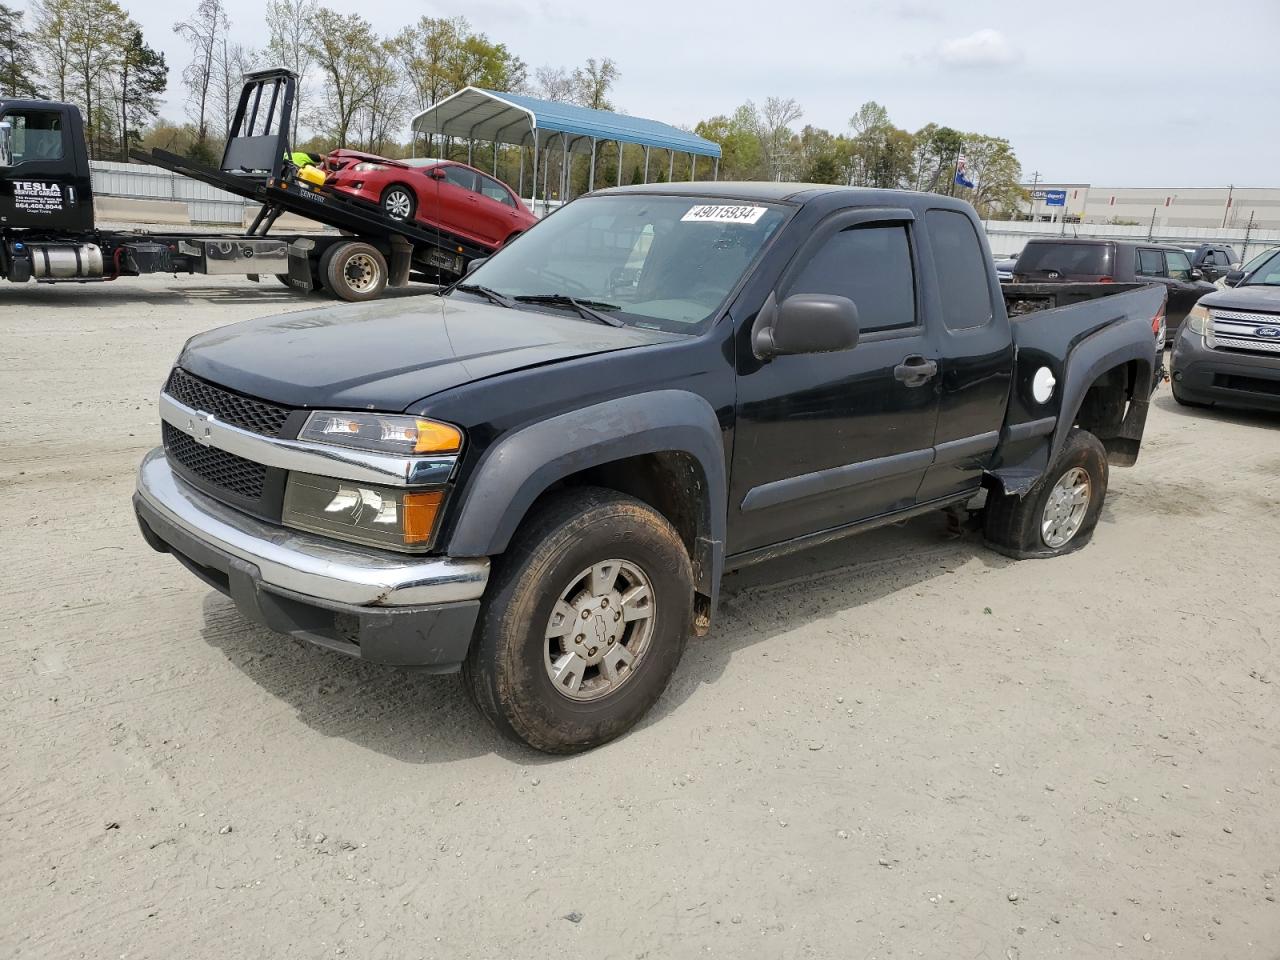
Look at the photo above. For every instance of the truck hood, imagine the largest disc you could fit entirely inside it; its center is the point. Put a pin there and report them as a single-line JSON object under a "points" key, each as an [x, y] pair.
{"points": [[1259, 298], [387, 354]]}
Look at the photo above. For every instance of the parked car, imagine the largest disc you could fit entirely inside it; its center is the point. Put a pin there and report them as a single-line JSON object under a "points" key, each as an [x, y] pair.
{"points": [[1213, 260], [1228, 352], [1233, 277], [1004, 269], [540, 478], [1108, 261], [454, 196]]}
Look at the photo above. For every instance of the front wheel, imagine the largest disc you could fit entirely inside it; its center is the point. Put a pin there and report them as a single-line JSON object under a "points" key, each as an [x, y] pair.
{"points": [[398, 203], [1058, 515], [584, 622]]}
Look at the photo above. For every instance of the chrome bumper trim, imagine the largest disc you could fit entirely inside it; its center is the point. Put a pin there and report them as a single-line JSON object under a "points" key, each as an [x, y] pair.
{"points": [[317, 458], [305, 564]]}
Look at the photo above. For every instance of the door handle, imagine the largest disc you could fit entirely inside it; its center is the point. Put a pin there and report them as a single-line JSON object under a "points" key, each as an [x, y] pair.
{"points": [[915, 371]]}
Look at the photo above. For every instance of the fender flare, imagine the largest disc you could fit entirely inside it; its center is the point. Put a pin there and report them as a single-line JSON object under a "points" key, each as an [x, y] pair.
{"points": [[1108, 348], [522, 465]]}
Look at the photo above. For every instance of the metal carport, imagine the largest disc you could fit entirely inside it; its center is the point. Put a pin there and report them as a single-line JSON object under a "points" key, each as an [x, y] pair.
{"points": [[474, 114]]}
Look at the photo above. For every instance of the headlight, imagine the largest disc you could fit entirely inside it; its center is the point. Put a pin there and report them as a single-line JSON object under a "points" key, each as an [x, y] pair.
{"points": [[1198, 320], [389, 517], [381, 433]]}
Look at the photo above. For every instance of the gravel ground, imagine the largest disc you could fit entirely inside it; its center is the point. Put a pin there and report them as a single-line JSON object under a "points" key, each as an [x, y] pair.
{"points": [[902, 745]]}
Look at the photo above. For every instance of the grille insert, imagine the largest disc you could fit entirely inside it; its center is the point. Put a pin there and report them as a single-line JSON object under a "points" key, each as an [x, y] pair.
{"points": [[236, 474], [244, 412]]}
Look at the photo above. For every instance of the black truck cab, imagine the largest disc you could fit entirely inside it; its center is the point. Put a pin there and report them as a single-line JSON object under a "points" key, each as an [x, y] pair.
{"points": [[44, 168]]}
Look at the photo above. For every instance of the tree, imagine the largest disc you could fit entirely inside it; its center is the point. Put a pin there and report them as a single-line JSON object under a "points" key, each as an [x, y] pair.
{"points": [[742, 157], [290, 33], [54, 22], [230, 63], [202, 33], [17, 56], [383, 106], [592, 82], [554, 83], [142, 77], [97, 41], [776, 135], [344, 48], [995, 173], [934, 157]]}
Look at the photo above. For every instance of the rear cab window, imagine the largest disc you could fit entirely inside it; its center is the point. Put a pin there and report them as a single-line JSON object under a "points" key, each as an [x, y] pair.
{"points": [[1041, 258]]}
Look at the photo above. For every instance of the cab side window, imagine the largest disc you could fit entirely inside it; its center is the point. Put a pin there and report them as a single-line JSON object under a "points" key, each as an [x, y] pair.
{"points": [[494, 190], [36, 135], [1151, 263], [1179, 265], [871, 265], [962, 270]]}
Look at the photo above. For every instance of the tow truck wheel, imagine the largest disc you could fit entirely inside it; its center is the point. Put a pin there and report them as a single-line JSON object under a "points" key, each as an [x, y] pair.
{"points": [[398, 203], [354, 272], [583, 623], [1057, 515]]}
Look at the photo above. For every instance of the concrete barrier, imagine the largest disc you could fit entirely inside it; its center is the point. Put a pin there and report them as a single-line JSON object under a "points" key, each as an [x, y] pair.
{"points": [[131, 210]]}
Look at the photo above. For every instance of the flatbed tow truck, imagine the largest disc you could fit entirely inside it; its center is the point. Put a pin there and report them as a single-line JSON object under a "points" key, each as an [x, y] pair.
{"points": [[48, 233]]}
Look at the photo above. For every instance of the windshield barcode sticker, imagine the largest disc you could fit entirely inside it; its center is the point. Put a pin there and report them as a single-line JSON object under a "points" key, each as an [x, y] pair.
{"points": [[722, 213]]}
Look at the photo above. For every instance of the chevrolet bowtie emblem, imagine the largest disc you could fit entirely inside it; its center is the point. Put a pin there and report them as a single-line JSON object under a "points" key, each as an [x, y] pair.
{"points": [[199, 427]]}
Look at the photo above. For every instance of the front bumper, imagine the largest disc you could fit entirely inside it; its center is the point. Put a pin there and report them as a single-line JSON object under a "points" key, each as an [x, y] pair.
{"points": [[1231, 378], [364, 603]]}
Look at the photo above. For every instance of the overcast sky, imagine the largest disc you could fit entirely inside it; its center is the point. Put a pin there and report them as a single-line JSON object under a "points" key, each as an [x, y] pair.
{"points": [[1182, 95]]}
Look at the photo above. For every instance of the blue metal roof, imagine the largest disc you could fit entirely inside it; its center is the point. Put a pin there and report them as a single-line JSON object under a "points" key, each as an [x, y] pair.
{"points": [[475, 113]]}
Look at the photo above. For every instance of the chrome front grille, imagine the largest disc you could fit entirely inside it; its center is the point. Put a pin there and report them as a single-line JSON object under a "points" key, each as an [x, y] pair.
{"points": [[248, 413], [1244, 330]]}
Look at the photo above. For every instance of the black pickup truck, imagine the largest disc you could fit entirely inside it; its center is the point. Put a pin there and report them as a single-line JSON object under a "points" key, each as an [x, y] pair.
{"points": [[540, 477]]}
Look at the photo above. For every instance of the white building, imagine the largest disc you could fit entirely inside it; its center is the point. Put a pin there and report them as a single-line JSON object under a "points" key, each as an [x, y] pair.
{"points": [[1228, 208]]}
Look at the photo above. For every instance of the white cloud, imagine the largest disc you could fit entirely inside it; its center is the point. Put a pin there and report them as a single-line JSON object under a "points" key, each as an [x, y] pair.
{"points": [[985, 48]]}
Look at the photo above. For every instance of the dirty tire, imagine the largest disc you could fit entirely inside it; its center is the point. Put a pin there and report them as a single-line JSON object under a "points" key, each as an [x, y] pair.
{"points": [[1012, 525], [506, 672], [354, 271]]}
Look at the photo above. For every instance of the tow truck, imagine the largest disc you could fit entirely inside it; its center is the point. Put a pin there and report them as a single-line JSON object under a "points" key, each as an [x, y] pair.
{"points": [[48, 232]]}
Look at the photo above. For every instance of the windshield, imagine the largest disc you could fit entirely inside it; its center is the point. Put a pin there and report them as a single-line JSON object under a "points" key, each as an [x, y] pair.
{"points": [[661, 262], [1263, 270]]}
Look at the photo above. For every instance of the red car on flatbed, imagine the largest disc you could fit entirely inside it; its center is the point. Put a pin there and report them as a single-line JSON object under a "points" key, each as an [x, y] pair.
{"points": [[452, 196]]}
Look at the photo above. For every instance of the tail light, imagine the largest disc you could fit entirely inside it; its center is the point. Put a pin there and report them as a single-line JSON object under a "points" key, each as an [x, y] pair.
{"points": [[1106, 280], [1157, 321]]}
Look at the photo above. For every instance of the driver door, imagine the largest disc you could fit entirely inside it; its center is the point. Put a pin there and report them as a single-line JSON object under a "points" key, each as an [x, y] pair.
{"points": [[824, 440]]}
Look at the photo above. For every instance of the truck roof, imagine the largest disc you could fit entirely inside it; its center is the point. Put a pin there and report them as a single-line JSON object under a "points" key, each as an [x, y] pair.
{"points": [[770, 191]]}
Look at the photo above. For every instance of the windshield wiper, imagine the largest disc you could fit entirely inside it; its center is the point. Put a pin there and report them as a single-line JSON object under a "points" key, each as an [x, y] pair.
{"points": [[584, 307], [494, 296]]}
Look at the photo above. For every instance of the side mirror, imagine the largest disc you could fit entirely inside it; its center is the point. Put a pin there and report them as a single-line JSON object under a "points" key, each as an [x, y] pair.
{"points": [[807, 323], [436, 173], [1197, 274], [6, 144], [474, 265], [1233, 277]]}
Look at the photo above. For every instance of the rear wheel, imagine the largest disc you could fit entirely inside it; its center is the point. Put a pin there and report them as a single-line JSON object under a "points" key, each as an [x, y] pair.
{"points": [[1058, 515], [398, 203], [354, 272], [584, 622]]}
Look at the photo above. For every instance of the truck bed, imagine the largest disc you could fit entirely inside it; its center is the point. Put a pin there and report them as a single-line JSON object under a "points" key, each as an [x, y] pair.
{"points": [[1024, 298]]}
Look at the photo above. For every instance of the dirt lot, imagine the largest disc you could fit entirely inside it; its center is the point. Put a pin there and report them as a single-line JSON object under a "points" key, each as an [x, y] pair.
{"points": [[898, 746]]}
